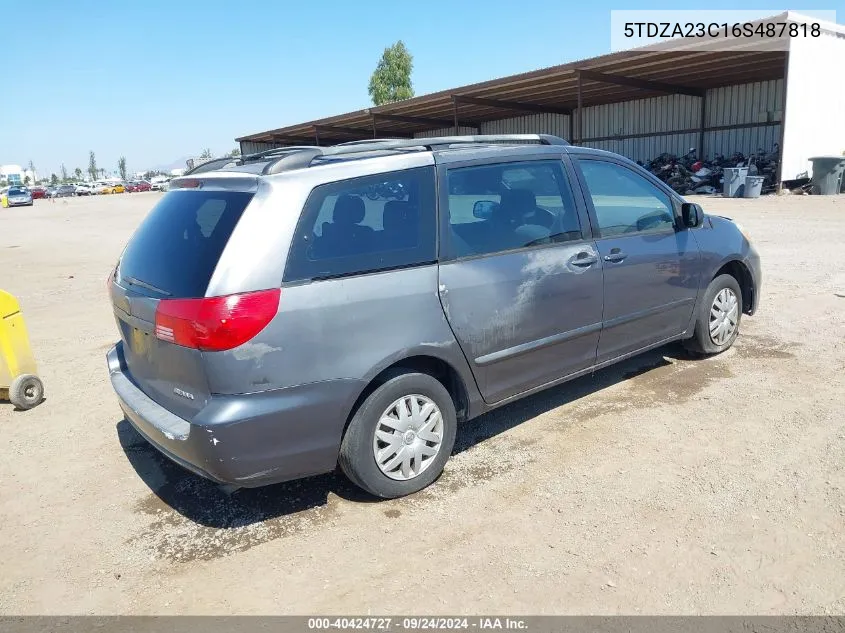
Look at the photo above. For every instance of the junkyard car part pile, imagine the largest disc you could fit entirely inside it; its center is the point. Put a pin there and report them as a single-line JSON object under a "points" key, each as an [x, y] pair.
{"points": [[688, 174]]}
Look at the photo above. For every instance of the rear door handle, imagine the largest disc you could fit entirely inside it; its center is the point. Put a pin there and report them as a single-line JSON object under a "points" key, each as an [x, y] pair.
{"points": [[584, 258], [616, 255]]}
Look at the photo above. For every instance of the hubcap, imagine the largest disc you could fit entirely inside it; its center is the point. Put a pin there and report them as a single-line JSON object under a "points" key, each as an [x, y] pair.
{"points": [[408, 437], [724, 316]]}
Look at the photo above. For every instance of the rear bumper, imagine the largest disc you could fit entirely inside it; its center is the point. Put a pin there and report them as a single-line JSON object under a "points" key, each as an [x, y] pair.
{"points": [[247, 440]]}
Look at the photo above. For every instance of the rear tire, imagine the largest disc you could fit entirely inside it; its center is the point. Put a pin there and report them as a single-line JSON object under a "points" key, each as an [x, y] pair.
{"points": [[718, 317], [26, 391], [416, 422]]}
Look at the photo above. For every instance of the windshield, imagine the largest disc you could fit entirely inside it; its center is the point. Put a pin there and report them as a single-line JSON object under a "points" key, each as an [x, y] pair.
{"points": [[18, 191]]}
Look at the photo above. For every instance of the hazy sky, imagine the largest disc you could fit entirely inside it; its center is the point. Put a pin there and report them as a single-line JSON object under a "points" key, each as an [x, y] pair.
{"points": [[158, 80]]}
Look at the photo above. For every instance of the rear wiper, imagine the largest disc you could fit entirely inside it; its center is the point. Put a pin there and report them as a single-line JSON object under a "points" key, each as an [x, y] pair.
{"points": [[144, 284]]}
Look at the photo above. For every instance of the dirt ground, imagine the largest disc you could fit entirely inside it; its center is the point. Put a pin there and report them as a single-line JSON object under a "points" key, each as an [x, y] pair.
{"points": [[664, 485]]}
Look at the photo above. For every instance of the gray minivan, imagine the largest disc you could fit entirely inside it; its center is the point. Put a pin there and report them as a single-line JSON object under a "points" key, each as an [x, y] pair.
{"points": [[287, 312]]}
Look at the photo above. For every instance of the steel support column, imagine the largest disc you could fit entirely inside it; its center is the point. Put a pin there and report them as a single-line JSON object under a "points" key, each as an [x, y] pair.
{"points": [[783, 121], [580, 109]]}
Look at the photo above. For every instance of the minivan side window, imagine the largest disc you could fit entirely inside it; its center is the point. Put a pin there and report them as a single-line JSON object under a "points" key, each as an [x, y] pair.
{"points": [[624, 201], [506, 206], [366, 224]]}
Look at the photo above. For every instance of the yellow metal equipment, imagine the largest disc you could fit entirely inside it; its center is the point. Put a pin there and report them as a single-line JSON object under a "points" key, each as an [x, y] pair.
{"points": [[18, 381]]}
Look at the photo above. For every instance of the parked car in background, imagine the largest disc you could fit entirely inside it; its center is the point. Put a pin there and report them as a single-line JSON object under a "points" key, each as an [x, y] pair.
{"points": [[474, 273], [118, 187], [82, 189], [18, 196], [137, 185], [65, 191], [38, 192], [102, 187], [51, 192]]}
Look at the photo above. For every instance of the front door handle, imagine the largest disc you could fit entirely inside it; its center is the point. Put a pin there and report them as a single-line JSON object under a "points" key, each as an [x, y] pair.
{"points": [[616, 255], [584, 258]]}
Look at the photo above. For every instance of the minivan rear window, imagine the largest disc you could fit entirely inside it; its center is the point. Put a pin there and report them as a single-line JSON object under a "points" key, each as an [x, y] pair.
{"points": [[176, 248]]}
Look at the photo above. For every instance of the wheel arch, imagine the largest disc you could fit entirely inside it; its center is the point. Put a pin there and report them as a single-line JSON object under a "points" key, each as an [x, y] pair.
{"points": [[739, 271], [463, 392]]}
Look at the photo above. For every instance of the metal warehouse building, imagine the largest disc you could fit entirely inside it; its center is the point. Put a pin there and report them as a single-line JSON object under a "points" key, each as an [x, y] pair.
{"points": [[667, 97]]}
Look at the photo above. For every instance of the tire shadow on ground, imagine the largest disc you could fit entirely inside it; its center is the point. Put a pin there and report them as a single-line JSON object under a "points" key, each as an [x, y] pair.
{"points": [[211, 505]]}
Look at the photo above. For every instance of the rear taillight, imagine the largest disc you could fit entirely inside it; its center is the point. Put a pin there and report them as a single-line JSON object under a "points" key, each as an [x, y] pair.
{"points": [[215, 324]]}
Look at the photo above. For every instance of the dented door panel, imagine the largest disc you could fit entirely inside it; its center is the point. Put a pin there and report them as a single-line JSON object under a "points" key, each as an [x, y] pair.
{"points": [[525, 318]]}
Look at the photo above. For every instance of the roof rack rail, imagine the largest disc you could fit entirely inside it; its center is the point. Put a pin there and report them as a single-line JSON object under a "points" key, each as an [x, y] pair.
{"points": [[297, 156], [367, 141], [301, 157], [226, 161], [272, 152], [212, 165], [437, 141]]}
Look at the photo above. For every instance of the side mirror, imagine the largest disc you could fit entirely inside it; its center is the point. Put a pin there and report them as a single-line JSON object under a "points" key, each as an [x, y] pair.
{"points": [[483, 209], [692, 215]]}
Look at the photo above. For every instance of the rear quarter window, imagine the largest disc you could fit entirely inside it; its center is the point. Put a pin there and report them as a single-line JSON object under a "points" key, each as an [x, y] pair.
{"points": [[177, 246], [365, 224]]}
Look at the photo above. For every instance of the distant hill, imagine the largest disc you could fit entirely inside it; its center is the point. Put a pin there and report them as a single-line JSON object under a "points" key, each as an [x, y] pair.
{"points": [[166, 167]]}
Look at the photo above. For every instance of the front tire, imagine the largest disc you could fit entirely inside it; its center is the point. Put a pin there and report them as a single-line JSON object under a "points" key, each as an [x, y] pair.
{"points": [[400, 437], [718, 317]]}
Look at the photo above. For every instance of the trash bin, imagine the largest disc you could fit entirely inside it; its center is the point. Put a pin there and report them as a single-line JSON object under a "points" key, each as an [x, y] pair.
{"points": [[753, 186], [827, 172], [18, 381], [734, 184]]}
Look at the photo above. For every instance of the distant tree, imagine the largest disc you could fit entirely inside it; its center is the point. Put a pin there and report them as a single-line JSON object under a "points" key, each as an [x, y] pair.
{"points": [[121, 167], [64, 173], [31, 168], [54, 179], [235, 152], [92, 166], [206, 153], [102, 172], [26, 180], [78, 173], [391, 80]]}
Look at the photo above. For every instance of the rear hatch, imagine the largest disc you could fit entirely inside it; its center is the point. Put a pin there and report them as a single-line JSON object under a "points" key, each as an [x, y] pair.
{"points": [[169, 261]]}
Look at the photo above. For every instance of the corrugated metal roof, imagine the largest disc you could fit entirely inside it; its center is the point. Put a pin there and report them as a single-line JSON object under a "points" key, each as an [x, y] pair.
{"points": [[678, 64]]}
